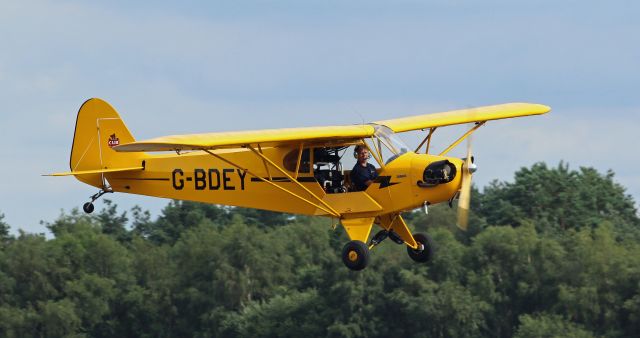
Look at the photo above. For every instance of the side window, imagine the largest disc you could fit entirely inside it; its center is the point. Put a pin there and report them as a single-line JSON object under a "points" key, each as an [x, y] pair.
{"points": [[327, 169], [291, 160], [349, 158]]}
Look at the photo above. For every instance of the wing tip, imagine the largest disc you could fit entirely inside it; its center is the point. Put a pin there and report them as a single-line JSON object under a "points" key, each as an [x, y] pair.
{"points": [[536, 108]]}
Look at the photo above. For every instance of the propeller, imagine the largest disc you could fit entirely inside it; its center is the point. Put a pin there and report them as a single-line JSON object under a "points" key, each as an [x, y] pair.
{"points": [[465, 189]]}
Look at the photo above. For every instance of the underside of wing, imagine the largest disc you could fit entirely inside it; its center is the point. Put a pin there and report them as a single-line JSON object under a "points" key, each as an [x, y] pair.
{"points": [[267, 137], [479, 114]]}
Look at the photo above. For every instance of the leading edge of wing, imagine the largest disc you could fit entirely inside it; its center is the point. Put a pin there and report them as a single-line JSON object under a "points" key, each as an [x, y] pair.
{"points": [[486, 113], [233, 139]]}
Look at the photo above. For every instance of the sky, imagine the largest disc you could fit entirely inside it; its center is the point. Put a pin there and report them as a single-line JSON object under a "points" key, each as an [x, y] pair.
{"points": [[206, 66]]}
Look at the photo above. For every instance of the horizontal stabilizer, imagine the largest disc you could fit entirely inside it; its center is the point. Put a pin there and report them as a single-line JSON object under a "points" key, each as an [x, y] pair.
{"points": [[97, 171]]}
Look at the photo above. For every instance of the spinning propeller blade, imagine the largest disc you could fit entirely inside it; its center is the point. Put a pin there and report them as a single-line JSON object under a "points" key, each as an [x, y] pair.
{"points": [[465, 191]]}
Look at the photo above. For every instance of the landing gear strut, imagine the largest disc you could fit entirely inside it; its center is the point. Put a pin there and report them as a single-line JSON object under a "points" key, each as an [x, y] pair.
{"points": [[382, 235], [88, 207]]}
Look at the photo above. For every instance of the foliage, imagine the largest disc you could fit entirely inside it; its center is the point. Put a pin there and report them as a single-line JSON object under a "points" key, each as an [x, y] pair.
{"points": [[559, 199], [4, 231], [533, 326], [554, 253]]}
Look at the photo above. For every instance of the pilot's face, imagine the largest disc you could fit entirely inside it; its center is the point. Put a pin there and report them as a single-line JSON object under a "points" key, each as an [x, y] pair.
{"points": [[363, 155]]}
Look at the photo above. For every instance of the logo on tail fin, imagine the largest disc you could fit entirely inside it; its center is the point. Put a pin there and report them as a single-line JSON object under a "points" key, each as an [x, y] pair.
{"points": [[113, 141]]}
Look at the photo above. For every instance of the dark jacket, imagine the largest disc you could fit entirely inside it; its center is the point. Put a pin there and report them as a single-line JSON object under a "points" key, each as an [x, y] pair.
{"points": [[360, 174]]}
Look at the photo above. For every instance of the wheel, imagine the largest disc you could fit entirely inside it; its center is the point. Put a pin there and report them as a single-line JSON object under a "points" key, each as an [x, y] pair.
{"points": [[424, 255], [355, 255], [88, 207]]}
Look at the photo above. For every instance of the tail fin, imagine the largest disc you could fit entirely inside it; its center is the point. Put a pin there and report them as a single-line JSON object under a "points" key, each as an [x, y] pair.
{"points": [[98, 129]]}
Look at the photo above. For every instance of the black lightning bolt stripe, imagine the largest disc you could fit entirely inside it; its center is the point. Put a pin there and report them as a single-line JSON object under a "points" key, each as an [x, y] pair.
{"points": [[385, 181]]}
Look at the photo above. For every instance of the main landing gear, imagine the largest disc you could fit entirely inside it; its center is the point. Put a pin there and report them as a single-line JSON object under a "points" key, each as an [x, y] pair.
{"points": [[425, 250], [88, 207], [355, 254]]}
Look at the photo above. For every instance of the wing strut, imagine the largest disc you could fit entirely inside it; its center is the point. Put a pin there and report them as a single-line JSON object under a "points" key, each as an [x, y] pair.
{"points": [[326, 209], [333, 211], [299, 159], [266, 167], [376, 152], [426, 139], [478, 125]]}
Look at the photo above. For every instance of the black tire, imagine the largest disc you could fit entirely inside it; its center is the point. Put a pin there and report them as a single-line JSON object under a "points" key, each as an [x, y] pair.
{"points": [[424, 255], [88, 207], [355, 255]]}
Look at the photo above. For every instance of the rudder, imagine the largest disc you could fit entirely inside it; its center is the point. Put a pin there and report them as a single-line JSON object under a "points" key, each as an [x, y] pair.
{"points": [[98, 129]]}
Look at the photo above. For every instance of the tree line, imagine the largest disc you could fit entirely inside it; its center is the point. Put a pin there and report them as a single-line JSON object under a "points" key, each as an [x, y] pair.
{"points": [[553, 253]]}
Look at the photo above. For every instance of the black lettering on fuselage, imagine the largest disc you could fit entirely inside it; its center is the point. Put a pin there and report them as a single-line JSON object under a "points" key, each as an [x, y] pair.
{"points": [[200, 179], [214, 174], [242, 174], [209, 179], [226, 179], [178, 184]]}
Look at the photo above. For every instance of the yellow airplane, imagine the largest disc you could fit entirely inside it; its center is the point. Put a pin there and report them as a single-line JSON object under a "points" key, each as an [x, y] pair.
{"points": [[295, 170]]}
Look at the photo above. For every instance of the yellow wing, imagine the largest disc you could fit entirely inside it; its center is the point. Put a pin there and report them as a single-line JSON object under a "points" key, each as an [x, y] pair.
{"points": [[501, 111], [336, 134], [267, 137]]}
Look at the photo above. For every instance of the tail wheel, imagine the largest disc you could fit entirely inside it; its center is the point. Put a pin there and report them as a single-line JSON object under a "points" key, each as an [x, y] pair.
{"points": [[88, 207], [355, 255], [426, 252]]}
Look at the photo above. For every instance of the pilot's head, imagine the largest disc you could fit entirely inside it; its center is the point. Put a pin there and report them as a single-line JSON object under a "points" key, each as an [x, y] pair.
{"points": [[361, 153]]}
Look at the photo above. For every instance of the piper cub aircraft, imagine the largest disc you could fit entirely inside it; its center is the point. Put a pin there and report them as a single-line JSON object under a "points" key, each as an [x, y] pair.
{"points": [[296, 170]]}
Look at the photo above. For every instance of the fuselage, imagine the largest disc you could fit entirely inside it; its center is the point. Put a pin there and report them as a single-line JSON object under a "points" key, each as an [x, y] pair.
{"points": [[201, 177]]}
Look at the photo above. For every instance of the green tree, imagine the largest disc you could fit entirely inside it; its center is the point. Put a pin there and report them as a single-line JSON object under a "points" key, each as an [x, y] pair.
{"points": [[203, 270], [179, 216], [31, 270], [112, 223], [515, 271], [262, 218], [58, 319], [420, 307], [5, 235], [149, 309], [292, 315], [141, 222], [92, 296], [601, 277], [557, 199], [545, 325]]}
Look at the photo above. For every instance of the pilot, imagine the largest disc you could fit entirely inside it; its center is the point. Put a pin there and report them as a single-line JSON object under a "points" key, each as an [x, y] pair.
{"points": [[363, 173]]}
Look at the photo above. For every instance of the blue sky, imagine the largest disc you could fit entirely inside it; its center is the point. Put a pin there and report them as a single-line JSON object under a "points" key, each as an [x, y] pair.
{"points": [[204, 66]]}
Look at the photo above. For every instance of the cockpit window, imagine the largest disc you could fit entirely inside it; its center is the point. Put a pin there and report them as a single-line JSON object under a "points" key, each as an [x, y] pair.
{"points": [[291, 161], [388, 144]]}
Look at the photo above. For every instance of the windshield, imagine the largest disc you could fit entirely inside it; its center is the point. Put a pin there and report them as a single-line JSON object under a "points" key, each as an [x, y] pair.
{"points": [[388, 144]]}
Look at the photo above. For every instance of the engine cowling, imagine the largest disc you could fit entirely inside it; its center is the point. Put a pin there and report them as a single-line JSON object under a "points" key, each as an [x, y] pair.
{"points": [[439, 172]]}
